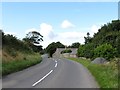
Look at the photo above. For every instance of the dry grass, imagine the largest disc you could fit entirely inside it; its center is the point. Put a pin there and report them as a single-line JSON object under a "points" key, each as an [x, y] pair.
{"points": [[16, 61]]}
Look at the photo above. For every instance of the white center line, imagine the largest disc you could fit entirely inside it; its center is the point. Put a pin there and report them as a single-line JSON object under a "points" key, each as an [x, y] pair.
{"points": [[56, 65], [55, 61], [42, 78]]}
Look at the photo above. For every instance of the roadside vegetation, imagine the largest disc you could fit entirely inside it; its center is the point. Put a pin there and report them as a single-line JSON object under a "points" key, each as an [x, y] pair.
{"points": [[66, 51], [19, 54], [20, 62], [105, 74], [105, 43]]}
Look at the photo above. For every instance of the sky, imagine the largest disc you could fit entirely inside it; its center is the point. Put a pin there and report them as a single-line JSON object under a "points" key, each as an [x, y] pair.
{"points": [[67, 22]]}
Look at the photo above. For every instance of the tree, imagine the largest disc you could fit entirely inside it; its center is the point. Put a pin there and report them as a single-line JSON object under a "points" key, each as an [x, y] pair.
{"points": [[86, 50], [74, 45], [59, 45], [51, 48], [105, 51], [66, 51], [88, 39], [34, 37]]}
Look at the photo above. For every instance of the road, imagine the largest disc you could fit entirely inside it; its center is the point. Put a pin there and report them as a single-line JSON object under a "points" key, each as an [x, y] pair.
{"points": [[51, 73]]}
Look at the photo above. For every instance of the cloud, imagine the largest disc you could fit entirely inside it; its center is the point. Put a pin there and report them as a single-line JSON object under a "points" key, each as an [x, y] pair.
{"points": [[68, 37], [94, 28], [47, 30], [72, 35], [67, 24]]}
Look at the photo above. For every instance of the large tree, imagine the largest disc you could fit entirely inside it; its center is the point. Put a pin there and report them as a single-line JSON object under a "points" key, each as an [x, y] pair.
{"points": [[33, 39], [51, 48]]}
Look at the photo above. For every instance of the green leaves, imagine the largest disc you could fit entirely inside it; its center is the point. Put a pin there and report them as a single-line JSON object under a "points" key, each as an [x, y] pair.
{"points": [[66, 51], [105, 50]]}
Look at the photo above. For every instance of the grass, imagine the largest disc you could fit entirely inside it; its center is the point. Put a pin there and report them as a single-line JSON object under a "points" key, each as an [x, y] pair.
{"points": [[105, 75], [19, 62]]}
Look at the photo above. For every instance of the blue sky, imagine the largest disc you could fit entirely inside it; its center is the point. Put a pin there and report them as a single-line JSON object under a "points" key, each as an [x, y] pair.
{"points": [[67, 22]]}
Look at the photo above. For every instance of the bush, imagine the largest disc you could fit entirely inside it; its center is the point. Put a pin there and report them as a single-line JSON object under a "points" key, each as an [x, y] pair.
{"points": [[66, 51], [86, 50], [106, 51]]}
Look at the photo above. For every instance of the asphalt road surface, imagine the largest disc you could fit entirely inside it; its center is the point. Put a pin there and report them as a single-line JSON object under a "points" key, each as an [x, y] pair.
{"points": [[51, 73]]}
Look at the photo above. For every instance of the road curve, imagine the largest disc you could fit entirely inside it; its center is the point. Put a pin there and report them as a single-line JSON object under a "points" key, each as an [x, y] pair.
{"points": [[51, 73]]}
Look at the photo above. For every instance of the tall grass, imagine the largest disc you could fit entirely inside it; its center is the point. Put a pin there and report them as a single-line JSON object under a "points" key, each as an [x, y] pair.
{"points": [[20, 62], [105, 75]]}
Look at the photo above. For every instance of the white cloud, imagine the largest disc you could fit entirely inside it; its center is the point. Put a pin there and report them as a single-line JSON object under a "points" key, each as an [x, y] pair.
{"points": [[67, 38], [94, 28], [47, 30], [72, 35], [67, 24]]}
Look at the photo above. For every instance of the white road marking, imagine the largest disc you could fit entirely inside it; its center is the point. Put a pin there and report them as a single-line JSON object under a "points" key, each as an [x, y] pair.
{"points": [[56, 65], [55, 61], [42, 78]]}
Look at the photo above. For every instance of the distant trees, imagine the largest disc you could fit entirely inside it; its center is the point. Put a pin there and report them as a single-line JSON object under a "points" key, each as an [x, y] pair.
{"points": [[74, 45], [66, 51], [51, 48], [105, 43]]}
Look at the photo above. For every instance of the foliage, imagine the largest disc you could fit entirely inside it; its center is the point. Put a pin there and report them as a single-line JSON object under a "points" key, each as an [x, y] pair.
{"points": [[20, 64], [108, 33], [74, 45], [59, 45], [11, 42], [86, 50], [34, 37], [66, 51], [106, 51], [51, 48], [33, 40], [88, 38]]}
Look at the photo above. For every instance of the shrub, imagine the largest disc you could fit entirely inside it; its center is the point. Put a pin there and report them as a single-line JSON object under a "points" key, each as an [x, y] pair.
{"points": [[105, 51], [86, 50], [66, 51]]}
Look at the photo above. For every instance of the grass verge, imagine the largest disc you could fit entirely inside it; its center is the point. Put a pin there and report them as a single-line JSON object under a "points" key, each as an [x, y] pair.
{"points": [[19, 64], [105, 75]]}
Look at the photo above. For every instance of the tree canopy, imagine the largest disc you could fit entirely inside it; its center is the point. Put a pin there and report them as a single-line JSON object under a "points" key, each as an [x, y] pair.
{"points": [[51, 48], [107, 39]]}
